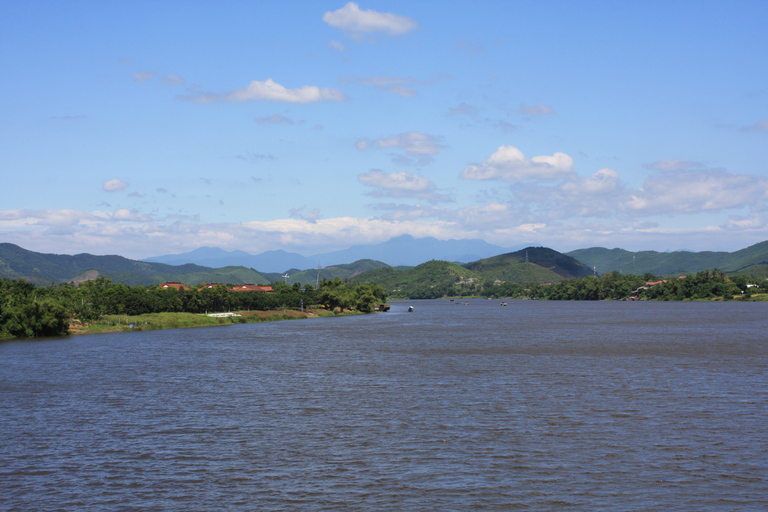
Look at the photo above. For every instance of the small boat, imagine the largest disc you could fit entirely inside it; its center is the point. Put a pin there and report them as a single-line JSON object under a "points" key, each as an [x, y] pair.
{"points": [[410, 309], [503, 303]]}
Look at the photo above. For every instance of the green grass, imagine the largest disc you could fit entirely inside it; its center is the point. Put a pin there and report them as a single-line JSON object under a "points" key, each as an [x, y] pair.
{"points": [[158, 321]]}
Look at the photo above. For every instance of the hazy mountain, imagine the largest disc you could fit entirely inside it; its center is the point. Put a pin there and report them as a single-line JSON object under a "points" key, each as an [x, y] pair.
{"points": [[403, 250], [410, 251]]}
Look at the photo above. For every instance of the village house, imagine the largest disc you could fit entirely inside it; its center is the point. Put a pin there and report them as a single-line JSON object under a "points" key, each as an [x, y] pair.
{"points": [[177, 286], [237, 288], [251, 288]]}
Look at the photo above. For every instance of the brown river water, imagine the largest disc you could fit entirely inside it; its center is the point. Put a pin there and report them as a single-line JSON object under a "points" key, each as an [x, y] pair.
{"points": [[535, 406]]}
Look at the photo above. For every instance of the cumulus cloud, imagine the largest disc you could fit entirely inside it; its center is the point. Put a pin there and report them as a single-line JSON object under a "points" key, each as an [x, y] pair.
{"points": [[269, 90], [401, 184], [69, 231], [509, 163], [124, 214], [537, 110], [339, 47], [351, 18], [114, 185]]}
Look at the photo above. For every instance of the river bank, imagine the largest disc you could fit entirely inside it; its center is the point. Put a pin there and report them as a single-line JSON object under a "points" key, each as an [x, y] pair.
{"points": [[159, 321]]}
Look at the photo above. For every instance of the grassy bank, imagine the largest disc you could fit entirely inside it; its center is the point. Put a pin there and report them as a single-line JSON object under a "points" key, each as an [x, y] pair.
{"points": [[157, 321]]}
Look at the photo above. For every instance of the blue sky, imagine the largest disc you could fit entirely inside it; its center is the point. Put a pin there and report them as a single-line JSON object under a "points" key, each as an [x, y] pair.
{"points": [[147, 128]]}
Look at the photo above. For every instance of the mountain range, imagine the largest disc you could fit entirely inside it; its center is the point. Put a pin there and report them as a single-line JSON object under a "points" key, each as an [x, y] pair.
{"points": [[404, 250], [533, 264]]}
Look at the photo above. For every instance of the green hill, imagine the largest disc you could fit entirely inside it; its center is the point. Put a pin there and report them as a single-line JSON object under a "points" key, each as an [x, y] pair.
{"points": [[436, 279], [346, 271], [429, 280], [747, 261], [534, 264], [44, 269]]}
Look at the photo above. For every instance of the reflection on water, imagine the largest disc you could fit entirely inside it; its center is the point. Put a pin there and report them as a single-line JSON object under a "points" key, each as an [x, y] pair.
{"points": [[534, 406]]}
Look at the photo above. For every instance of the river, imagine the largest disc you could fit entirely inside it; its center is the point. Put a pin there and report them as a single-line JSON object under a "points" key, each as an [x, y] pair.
{"points": [[534, 406]]}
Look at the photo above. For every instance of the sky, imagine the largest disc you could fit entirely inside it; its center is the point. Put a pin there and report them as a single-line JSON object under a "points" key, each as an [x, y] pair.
{"points": [[145, 128]]}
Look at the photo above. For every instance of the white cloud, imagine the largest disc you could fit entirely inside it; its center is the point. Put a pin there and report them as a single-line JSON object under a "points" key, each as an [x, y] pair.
{"points": [[269, 90], [401, 184], [124, 214], [339, 47], [114, 185], [537, 110], [69, 231], [508, 163], [697, 192], [351, 18]]}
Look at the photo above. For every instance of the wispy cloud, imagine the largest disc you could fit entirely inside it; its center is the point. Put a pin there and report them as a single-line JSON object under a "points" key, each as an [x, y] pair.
{"points": [[401, 184], [759, 126], [422, 146], [399, 85], [274, 119], [171, 79], [537, 110], [352, 19], [69, 118], [673, 165], [473, 48], [309, 216], [143, 76]]}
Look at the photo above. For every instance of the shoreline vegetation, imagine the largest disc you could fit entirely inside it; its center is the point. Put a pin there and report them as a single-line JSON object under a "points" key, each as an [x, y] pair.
{"points": [[99, 306], [28, 311]]}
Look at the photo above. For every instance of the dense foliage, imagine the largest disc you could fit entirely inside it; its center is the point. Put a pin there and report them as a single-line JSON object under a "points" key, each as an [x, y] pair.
{"points": [[615, 286], [30, 311]]}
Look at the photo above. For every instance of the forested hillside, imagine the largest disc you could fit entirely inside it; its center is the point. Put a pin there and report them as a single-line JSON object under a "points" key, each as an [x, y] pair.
{"points": [[751, 261], [44, 269]]}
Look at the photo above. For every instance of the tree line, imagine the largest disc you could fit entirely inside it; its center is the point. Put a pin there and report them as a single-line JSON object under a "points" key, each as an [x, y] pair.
{"points": [[30, 311], [707, 284]]}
